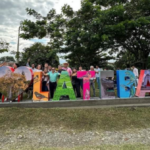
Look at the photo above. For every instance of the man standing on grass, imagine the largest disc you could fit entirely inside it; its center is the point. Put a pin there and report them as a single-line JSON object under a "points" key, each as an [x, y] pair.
{"points": [[97, 70]]}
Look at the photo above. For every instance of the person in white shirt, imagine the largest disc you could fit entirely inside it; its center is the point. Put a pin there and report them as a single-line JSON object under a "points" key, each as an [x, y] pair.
{"points": [[97, 70], [92, 81], [136, 73]]}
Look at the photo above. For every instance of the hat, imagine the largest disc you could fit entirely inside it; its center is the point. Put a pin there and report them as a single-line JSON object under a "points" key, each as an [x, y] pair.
{"points": [[66, 64]]}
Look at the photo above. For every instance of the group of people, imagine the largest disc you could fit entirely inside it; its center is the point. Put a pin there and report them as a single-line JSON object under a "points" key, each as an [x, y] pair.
{"points": [[50, 77]]}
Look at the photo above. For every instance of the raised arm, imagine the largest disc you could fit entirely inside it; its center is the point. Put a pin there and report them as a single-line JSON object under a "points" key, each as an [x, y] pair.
{"points": [[27, 64]]}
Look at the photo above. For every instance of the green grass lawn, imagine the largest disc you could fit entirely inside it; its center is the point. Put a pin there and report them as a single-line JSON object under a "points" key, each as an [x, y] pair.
{"points": [[107, 119]]}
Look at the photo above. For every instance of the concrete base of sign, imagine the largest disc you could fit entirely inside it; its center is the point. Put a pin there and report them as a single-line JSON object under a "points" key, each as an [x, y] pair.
{"points": [[93, 103]]}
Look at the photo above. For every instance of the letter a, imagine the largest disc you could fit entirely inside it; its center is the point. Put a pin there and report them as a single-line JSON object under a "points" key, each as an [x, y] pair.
{"points": [[144, 83], [64, 87]]}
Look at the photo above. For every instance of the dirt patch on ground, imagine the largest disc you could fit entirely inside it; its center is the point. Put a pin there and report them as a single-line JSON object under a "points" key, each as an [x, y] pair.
{"points": [[45, 137]]}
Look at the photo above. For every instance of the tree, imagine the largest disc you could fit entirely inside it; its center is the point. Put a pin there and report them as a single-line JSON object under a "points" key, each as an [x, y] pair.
{"points": [[70, 33], [125, 59], [148, 63], [7, 58], [4, 46], [98, 28], [127, 28], [39, 54]]}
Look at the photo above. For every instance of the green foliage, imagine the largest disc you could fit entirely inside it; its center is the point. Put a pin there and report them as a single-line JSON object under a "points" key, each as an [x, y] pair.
{"points": [[86, 35], [64, 91], [39, 54], [148, 63], [7, 58], [125, 59], [4, 46], [71, 33]]}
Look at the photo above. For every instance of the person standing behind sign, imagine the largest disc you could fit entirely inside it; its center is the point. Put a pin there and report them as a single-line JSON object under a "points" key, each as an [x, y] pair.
{"points": [[46, 66], [136, 73], [81, 80], [49, 68], [97, 70], [32, 66], [66, 68], [76, 83], [15, 66], [53, 80], [45, 81], [92, 81], [60, 70]]}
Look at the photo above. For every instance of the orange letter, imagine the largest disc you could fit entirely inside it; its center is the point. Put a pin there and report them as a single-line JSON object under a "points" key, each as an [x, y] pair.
{"points": [[38, 95]]}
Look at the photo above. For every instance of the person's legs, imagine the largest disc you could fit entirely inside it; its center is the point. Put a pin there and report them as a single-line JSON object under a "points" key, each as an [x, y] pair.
{"points": [[78, 90], [98, 82], [48, 88], [90, 86], [93, 86], [81, 83], [44, 86], [51, 89], [55, 85], [74, 88]]}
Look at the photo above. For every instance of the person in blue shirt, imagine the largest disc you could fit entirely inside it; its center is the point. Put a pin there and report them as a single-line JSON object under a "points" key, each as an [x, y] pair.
{"points": [[53, 76]]}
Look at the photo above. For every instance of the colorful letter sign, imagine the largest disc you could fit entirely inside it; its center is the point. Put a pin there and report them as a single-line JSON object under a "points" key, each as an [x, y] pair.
{"points": [[107, 84], [144, 83], [14, 82], [126, 82], [86, 75], [64, 87], [5, 83], [38, 95]]}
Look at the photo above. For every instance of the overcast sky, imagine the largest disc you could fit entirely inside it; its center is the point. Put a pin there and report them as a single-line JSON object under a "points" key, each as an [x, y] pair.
{"points": [[12, 12]]}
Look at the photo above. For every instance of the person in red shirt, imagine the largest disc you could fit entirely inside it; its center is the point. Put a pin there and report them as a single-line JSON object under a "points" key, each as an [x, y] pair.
{"points": [[15, 66]]}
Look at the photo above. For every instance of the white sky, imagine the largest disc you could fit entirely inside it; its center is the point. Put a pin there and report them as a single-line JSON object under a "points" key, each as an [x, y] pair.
{"points": [[12, 12]]}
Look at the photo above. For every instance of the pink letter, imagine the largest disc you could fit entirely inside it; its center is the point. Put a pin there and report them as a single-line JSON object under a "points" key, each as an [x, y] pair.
{"points": [[86, 75], [144, 83]]}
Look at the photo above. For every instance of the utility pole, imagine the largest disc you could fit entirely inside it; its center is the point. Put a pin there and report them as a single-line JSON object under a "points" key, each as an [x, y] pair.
{"points": [[17, 55]]}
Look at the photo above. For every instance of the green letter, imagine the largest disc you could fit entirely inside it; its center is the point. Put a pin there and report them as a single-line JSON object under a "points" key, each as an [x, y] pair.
{"points": [[64, 87]]}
